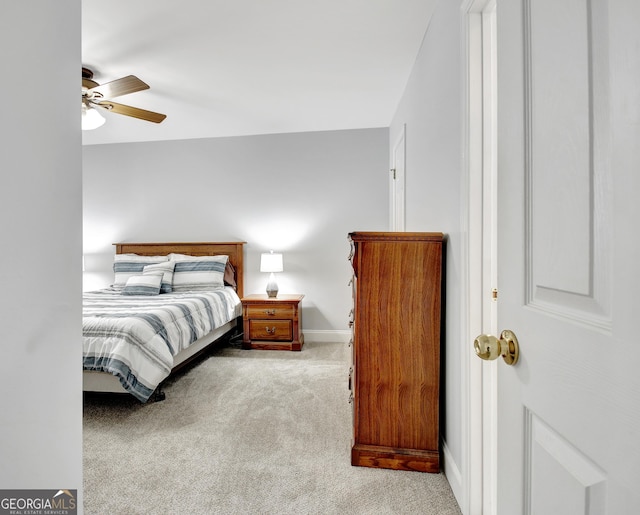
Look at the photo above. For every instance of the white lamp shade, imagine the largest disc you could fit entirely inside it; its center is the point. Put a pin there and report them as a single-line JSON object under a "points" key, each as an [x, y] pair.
{"points": [[91, 119], [270, 262]]}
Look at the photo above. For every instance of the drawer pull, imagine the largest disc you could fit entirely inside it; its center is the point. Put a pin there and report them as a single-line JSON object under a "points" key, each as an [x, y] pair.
{"points": [[270, 331], [270, 312]]}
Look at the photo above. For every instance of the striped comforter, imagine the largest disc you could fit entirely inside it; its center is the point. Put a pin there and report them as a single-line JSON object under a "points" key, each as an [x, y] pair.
{"points": [[136, 337]]}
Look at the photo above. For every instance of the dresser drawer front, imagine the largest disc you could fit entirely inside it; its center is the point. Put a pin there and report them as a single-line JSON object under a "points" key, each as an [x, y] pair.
{"points": [[274, 330], [265, 311]]}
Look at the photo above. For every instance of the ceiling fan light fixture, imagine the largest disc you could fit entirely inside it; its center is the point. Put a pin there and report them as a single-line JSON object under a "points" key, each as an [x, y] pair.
{"points": [[91, 119], [94, 94]]}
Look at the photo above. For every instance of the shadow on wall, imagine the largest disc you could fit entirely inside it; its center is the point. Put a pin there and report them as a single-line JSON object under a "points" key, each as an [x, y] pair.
{"points": [[443, 339]]}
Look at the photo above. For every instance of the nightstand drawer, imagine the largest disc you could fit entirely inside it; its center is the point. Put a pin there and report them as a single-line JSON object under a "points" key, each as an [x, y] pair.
{"points": [[272, 310], [271, 330]]}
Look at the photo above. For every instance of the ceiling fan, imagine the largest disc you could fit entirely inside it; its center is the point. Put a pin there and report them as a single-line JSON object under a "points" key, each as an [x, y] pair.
{"points": [[98, 96]]}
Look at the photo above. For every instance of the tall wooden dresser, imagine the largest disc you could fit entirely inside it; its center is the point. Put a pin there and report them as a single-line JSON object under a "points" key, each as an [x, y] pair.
{"points": [[395, 373]]}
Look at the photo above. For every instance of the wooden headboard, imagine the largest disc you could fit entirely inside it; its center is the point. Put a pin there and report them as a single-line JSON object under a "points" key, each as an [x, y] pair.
{"points": [[233, 249]]}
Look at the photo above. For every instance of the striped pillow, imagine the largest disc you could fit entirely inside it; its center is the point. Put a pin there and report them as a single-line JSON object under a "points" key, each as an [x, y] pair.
{"points": [[128, 265], [197, 273], [143, 285], [166, 269]]}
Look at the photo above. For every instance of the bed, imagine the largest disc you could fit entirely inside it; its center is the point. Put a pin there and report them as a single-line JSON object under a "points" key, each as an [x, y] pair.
{"points": [[168, 304]]}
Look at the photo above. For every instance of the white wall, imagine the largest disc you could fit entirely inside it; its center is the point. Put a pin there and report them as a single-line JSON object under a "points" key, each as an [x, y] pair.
{"points": [[40, 272], [295, 193], [431, 110]]}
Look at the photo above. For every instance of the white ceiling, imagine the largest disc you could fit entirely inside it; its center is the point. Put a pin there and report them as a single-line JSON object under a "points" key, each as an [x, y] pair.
{"points": [[241, 67]]}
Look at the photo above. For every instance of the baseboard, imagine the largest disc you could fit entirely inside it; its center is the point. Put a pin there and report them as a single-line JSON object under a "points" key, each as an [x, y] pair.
{"points": [[324, 336], [452, 472]]}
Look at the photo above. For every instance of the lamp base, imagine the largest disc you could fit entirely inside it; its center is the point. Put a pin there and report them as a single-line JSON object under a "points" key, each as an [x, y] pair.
{"points": [[272, 287]]}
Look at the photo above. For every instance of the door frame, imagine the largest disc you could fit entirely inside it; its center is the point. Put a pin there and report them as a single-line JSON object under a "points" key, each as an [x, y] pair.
{"points": [[479, 481]]}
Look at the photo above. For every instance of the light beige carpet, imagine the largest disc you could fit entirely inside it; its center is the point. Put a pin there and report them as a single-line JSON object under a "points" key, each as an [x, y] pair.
{"points": [[245, 432]]}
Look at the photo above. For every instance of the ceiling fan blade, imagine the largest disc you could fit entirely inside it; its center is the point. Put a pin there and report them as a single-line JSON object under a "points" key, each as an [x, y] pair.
{"points": [[119, 87], [135, 112]]}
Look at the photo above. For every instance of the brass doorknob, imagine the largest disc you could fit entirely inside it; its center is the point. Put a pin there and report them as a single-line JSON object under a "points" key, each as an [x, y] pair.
{"points": [[488, 347]]}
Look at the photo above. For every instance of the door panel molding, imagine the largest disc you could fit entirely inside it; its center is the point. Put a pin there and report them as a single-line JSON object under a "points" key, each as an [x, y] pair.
{"points": [[558, 477], [567, 219]]}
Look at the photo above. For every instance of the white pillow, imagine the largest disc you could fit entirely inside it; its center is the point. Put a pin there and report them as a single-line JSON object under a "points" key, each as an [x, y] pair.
{"points": [[143, 285], [166, 269], [127, 265], [197, 273]]}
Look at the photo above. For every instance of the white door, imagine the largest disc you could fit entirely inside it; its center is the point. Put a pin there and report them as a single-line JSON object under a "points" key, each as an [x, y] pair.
{"points": [[569, 256], [397, 183]]}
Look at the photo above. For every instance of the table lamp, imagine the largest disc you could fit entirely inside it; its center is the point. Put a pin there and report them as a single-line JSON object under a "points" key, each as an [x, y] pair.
{"points": [[271, 263]]}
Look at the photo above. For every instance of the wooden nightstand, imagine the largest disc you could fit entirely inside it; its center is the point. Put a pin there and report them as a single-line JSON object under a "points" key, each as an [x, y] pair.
{"points": [[272, 323]]}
